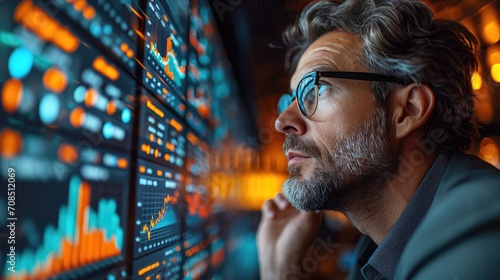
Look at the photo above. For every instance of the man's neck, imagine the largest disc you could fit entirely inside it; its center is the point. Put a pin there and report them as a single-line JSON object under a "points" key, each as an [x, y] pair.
{"points": [[375, 215]]}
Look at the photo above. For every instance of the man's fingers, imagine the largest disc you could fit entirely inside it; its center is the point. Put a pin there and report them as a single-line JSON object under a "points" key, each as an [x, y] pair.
{"points": [[269, 209], [281, 201]]}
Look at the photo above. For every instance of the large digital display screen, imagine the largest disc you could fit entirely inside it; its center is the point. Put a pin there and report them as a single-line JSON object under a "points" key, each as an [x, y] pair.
{"points": [[109, 113]]}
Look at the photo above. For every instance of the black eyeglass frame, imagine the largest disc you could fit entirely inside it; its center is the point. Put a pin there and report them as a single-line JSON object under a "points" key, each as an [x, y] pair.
{"points": [[362, 76]]}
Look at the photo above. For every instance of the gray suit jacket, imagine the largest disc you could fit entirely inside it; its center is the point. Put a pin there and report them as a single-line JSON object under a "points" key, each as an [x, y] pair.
{"points": [[459, 238]]}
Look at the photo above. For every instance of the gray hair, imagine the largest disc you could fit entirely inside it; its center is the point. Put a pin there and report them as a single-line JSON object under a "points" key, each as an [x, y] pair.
{"points": [[401, 38]]}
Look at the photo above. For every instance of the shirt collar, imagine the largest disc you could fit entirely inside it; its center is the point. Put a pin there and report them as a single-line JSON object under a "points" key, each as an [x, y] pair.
{"points": [[383, 262]]}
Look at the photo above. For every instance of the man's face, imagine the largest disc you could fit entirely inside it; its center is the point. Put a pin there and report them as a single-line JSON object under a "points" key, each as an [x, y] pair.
{"points": [[342, 151]]}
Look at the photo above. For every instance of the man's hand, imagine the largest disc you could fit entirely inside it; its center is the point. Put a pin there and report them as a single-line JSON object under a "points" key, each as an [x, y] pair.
{"points": [[283, 237]]}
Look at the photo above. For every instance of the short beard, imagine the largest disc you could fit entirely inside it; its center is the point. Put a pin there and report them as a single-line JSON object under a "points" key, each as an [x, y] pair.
{"points": [[351, 173]]}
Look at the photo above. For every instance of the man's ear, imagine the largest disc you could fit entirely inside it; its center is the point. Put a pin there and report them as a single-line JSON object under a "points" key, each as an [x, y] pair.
{"points": [[412, 106]]}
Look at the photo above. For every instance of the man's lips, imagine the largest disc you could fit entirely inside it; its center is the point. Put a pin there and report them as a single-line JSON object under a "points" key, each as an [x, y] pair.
{"points": [[295, 157]]}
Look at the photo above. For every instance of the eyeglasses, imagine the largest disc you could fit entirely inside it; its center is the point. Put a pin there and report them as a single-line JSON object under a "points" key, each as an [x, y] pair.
{"points": [[309, 88]]}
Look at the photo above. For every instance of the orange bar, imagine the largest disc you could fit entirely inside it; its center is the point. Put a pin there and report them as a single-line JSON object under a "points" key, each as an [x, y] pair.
{"points": [[57, 265], [83, 198], [84, 245], [153, 108], [12, 95], [66, 254], [100, 242], [101, 66], [90, 246], [175, 124], [84, 226]]}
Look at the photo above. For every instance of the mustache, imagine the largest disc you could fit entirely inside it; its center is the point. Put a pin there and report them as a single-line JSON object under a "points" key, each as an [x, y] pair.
{"points": [[292, 142]]}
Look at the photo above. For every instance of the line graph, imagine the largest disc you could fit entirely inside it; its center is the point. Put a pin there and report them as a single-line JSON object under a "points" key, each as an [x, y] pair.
{"points": [[157, 221], [164, 217]]}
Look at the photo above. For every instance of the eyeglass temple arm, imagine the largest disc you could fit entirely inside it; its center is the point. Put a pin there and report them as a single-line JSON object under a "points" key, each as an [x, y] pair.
{"points": [[364, 76]]}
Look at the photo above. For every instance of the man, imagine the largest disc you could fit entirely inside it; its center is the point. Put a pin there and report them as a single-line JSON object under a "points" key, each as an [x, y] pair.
{"points": [[377, 127]]}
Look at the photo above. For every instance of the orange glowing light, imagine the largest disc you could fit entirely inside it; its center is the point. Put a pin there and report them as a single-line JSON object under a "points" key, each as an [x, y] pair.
{"points": [[142, 169], [489, 151], [129, 53], [491, 33], [11, 143], [46, 27], [79, 5], [204, 110], [124, 47], [155, 109], [111, 107], [77, 117], [495, 72], [151, 138], [477, 81], [135, 12], [89, 13], [66, 40], [159, 173], [484, 111], [91, 97], [175, 124], [55, 80], [192, 138], [67, 153], [22, 9], [122, 163], [12, 95], [139, 33], [108, 70], [493, 55], [490, 30]]}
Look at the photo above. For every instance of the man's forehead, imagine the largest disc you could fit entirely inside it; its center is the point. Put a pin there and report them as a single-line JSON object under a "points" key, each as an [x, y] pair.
{"points": [[334, 51]]}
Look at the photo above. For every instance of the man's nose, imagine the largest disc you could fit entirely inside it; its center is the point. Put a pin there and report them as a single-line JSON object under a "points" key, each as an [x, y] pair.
{"points": [[291, 120]]}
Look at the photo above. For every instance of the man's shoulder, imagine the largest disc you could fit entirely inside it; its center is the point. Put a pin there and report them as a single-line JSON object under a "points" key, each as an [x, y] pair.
{"points": [[467, 172], [461, 229]]}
